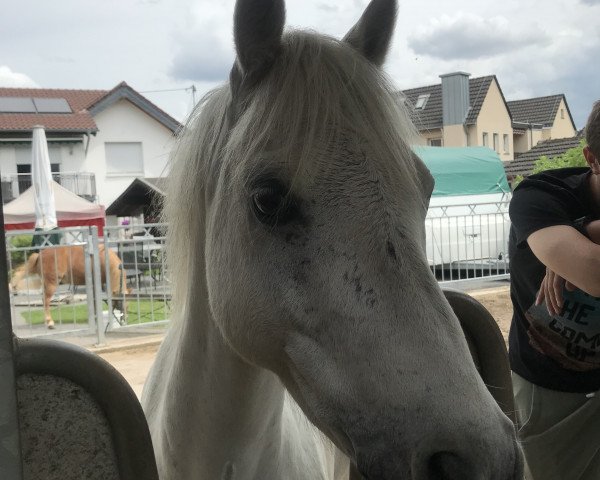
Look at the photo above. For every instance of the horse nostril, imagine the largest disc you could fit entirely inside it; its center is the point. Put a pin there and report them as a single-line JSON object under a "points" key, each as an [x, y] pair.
{"points": [[448, 466]]}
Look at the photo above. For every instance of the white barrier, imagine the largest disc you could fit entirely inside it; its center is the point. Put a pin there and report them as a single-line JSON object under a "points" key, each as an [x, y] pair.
{"points": [[468, 241]]}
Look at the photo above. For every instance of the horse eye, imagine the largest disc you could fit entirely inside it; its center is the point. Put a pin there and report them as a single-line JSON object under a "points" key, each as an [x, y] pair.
{"points": [[272, 206]]}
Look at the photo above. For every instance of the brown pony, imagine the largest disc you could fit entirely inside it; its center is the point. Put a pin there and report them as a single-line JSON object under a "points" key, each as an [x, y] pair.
{"points": [[66, 265]]}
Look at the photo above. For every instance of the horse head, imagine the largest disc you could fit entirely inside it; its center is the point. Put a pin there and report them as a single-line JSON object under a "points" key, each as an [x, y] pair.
{"points": [[308, 212]]}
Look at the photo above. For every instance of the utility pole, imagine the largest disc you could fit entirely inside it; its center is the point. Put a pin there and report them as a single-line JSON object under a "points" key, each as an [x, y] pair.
{"points": [[193, 87]]}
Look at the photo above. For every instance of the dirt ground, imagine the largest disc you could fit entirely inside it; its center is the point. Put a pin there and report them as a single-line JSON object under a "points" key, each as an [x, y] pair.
{"points": [[135, 364], [497, 301]]}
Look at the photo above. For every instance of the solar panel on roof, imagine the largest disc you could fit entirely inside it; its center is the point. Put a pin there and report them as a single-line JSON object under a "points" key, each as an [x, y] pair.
{"points": [[51, 105], [16, 105]]}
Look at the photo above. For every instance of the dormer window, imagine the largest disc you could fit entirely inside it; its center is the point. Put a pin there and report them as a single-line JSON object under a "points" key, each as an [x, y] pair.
{"points": [[421, 102]]}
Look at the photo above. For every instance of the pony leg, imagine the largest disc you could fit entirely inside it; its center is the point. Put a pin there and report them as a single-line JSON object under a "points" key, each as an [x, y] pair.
{"points": [[47, 315], [49, 290]]}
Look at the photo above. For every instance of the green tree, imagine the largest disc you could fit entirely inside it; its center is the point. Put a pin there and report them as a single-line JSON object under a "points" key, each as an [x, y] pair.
{"points": [[17, 242], [571, 158]]}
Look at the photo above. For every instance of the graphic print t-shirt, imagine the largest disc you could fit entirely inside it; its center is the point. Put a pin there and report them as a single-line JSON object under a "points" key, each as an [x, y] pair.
{"points": [[559, 352]]}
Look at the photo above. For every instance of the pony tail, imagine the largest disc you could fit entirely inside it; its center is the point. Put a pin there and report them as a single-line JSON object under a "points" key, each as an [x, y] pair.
{"points": [[24, 270]]}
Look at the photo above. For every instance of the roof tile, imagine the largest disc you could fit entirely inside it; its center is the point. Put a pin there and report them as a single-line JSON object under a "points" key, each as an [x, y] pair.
{"points": [[536, 110], [524, 163]]}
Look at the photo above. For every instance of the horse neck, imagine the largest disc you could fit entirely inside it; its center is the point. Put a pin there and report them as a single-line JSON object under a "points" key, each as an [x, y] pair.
{"points": [[208, 406]]}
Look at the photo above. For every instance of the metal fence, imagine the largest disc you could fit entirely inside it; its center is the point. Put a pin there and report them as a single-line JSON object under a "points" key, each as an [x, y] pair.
{"points": [[468, 241], [145, 294], [462, 242], [69, 268], [80, 183]]}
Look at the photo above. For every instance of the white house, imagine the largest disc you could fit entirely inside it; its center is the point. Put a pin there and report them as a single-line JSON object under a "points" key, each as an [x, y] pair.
{"points": [[99, 141]]}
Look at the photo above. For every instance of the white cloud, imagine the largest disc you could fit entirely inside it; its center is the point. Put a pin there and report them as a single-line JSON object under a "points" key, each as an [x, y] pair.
{"points": [[8, 78], [203, 42], [201, 56], [169, 44], [469, 36], [327, 7]]}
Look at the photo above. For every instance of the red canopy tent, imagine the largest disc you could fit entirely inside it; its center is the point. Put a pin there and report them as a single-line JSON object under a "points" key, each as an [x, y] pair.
{"points": [[71, 211]]}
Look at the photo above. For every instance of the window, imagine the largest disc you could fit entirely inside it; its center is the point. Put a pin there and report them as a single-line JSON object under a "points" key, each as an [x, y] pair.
{"points": [[24, 175], [23, 161], [562, 113], [485, 139], [435, 142], [124, 158], [421, 102], [496, 142], [506, 143]]}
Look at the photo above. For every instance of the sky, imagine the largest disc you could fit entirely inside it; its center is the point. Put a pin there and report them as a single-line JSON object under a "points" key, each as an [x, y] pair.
{"points": [[535, 48]]}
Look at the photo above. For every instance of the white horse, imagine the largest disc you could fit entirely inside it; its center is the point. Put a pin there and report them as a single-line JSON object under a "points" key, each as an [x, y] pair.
{"points": [[309, 334]]}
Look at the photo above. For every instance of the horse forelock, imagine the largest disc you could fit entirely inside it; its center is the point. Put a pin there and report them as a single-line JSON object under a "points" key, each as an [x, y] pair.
{"points": [[319, 93]]}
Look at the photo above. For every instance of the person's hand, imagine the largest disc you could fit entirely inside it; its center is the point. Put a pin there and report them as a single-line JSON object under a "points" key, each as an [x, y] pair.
{"points": [[551, 290]]}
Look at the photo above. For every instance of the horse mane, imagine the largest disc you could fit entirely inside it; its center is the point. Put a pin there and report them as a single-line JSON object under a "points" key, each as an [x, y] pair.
{"points": [[318, 93]]}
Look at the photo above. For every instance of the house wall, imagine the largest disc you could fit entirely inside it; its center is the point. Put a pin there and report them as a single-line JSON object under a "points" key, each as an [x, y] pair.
{"points": [[521, 143], [562, 126], [494, 118], [472, 136], [546, 133], [427, 135], [455, 136], [525, 142], [124, 122], [68, 155], [8, 162]]}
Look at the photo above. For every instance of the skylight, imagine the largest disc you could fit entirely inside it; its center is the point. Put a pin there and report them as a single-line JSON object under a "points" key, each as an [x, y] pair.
{"points": [[421, 101]]}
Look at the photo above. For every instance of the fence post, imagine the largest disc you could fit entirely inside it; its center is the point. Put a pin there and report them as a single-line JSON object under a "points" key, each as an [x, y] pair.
{"points": [[97, 285], [89, 280], [107, 276]]}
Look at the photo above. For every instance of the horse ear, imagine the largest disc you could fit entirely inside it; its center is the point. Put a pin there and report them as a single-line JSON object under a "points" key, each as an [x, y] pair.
{"points": [[257, 30], [372, 34]]}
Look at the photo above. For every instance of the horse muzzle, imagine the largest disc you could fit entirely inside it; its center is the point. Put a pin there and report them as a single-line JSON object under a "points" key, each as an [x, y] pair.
{"points": [[473, 457]]}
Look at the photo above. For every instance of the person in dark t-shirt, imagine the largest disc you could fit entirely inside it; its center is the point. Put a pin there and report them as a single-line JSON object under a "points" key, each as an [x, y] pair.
{"points": [[554, 340]]}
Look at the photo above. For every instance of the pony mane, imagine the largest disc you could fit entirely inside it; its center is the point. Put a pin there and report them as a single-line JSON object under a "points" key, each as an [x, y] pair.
{"points": [[318, 93]]}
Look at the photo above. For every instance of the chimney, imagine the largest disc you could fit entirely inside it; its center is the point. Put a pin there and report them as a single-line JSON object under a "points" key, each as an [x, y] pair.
{"points": [[455, 97]]}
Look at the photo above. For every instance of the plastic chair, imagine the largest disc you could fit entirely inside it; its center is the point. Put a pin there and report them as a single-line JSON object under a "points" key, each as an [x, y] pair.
{"points": [[78, 417], [487, 346]]}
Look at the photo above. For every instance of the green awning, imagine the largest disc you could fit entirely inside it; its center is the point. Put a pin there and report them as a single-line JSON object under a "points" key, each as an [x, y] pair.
{"points": [[464, 170]]}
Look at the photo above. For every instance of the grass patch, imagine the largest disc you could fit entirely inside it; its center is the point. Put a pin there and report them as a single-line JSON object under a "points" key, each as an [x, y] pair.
{"points": [[137, 312]]}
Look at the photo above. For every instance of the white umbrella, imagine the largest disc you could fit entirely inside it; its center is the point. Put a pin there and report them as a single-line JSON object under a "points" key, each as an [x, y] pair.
{"points": [[41, 176]]}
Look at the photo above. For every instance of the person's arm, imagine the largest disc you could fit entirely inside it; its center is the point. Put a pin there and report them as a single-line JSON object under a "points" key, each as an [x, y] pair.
{"points": [[570, 255], [551, 288], [593, 231]]}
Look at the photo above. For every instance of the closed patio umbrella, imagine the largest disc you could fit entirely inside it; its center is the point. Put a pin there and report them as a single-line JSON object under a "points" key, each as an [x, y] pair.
{"points": [[41, 179]]}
